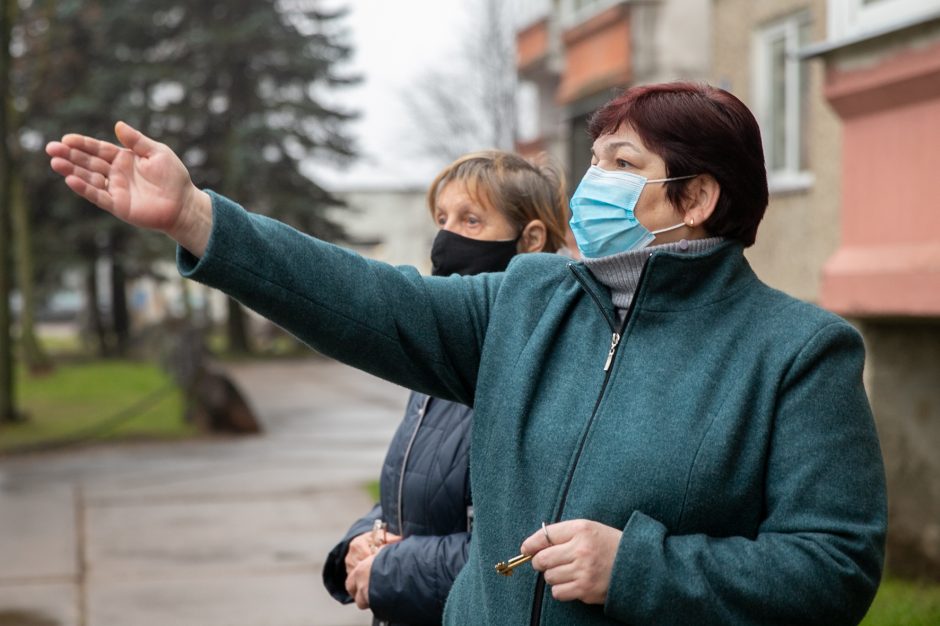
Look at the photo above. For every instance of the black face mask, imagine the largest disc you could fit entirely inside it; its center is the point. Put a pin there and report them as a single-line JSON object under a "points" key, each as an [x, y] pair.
{"points": [[454, 254]]}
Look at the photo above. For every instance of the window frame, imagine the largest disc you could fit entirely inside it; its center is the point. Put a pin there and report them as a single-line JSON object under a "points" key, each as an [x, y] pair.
{"points": [[792, 176]]}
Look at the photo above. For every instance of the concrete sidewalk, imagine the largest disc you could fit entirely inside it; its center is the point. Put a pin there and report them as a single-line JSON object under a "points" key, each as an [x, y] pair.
{"points": [[221, 532]]}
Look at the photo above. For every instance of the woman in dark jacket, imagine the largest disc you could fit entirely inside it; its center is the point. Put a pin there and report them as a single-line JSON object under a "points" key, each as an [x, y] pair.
{"points": [[400, 560]]}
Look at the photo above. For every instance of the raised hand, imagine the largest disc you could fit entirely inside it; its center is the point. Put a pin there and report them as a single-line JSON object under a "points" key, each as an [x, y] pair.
{"points": [[143, 183]]}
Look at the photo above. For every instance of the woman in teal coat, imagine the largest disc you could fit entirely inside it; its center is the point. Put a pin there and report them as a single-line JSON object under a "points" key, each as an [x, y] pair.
{"points": [[671, 440]]}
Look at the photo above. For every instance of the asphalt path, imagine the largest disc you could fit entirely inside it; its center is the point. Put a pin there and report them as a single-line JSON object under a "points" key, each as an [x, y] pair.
{"points": [[221, 531]]}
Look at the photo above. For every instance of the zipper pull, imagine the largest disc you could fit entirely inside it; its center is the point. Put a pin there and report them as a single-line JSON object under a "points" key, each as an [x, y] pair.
{"points": [[613, 348]]}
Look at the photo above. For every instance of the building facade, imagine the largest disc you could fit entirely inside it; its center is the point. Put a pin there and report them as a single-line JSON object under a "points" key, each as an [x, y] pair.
{"points": [[882, 78], [575, 55], [848, 96]]}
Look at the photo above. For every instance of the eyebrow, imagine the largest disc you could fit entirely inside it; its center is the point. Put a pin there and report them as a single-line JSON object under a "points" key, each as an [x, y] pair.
{"points": [[613, 146]]}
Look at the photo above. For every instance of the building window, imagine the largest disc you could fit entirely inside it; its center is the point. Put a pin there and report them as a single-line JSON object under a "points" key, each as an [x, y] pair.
{"points": [[780, 85], [857, 18]]}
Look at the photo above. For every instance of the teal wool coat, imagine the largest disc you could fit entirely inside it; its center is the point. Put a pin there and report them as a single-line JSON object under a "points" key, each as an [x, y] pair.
{"points": [[729, 437]]}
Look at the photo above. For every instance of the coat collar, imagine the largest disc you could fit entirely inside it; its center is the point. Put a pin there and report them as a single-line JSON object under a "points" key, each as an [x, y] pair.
{"points": [[677, 281]]}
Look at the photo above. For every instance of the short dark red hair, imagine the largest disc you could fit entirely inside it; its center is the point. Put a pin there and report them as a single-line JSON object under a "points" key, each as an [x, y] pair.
{"points": [[698, 129]]}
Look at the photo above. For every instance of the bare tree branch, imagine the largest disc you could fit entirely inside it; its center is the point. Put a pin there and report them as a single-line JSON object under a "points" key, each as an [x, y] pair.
{"points": [[473, 106]]}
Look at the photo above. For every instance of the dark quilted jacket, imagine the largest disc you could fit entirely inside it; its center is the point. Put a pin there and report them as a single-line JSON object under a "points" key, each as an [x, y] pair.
{"points": [[424, 478]]}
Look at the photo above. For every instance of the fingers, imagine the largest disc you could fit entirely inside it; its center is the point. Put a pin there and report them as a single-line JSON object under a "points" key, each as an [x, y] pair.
{"points": [[66, 167], [552, 557], [65, 156], [92, 193], [72, 143], [567, 592], [351, 585], [362, 597], [357, 585], [560, 574], [561, 532], [135, 140]]}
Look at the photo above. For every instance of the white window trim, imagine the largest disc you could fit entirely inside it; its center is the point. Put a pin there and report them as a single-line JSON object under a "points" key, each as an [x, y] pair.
{"points": [[852, 18], [789, 178], [571, 16]]}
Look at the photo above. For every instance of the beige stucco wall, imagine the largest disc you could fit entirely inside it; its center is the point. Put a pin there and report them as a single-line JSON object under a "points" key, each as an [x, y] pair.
{"points": [[801, 228], [395, 223], [901, 376]]}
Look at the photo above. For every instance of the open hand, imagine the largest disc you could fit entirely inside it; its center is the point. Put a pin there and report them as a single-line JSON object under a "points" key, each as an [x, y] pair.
{"points": [[144, 183], [579, 560]]}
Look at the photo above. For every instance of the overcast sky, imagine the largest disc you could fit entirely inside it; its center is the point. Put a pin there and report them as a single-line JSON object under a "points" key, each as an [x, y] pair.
{"points": [[394, 42]]}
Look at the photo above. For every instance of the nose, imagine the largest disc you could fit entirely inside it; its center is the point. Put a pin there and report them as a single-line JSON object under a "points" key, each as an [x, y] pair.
{"points": [[451, 224]]}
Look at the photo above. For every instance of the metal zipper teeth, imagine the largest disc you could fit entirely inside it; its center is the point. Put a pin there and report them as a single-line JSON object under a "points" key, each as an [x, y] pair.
{"points": [[404, 463], [540, 581]]}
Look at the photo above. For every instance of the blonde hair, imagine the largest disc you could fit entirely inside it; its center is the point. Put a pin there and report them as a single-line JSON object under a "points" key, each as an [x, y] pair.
{"points": [[520, 189]]}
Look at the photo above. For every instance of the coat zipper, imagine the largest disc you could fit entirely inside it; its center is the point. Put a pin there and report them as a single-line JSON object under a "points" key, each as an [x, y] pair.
{"points": [[614, 342], [404, 463]]}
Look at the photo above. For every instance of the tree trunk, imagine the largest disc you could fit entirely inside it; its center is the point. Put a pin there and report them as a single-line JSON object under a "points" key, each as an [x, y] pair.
{"points": [[120, 317], [186, 295], [33, 355], [7, 387], [93, 311], [237, 328]]}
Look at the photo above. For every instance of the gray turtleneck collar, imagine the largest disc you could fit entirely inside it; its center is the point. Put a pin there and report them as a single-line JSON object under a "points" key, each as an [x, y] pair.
{"points": [[621, 272]]}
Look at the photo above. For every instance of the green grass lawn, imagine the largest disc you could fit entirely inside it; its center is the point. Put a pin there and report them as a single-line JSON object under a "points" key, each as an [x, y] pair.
{"points": [[904, 603], [83, 400]]}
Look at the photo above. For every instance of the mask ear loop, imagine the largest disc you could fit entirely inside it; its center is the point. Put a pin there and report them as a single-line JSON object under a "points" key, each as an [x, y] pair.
{"points": [[666, 230], [680, 224], [667, 180]]}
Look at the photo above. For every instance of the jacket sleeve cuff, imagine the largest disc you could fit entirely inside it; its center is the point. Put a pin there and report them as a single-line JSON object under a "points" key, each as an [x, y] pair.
{"points": [[642, 543], [225, 214], [334, 568]]}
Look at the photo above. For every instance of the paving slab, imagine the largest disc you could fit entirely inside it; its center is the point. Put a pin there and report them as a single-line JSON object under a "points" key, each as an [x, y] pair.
{"points": [[271, 600], [215, 538], [37, 534], [47, 604]]}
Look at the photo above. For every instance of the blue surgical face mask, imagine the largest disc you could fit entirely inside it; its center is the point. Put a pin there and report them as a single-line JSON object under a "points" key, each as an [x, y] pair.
{"points": [[602, 218]]}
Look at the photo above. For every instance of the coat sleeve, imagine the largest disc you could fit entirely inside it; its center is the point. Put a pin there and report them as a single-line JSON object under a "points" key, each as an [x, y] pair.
{"points": [[334, 569], [424, 333], [410, 579], [818, 554]]}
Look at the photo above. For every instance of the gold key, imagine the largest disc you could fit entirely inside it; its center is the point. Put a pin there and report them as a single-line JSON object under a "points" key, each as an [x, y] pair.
{"points": [[505, 567]]}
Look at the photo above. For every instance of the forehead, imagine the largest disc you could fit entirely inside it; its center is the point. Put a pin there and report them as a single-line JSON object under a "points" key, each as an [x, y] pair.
{"points": [[456, 195], [624, 137]]}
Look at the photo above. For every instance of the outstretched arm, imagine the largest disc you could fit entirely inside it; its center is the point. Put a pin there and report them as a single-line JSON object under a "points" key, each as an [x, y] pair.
{"points": [[143, 183]]}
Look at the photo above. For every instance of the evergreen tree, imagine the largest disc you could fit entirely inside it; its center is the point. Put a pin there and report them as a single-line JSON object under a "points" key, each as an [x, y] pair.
{"points": [[238, 87]]}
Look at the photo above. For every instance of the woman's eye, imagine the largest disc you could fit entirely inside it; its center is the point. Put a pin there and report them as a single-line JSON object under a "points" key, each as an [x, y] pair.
{"points": [[441, 220], [622, 163], [473, 220]]}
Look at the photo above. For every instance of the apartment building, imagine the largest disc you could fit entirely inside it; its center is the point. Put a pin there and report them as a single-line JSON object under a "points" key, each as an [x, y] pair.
{"points": [[847, 93], [575, 55]]}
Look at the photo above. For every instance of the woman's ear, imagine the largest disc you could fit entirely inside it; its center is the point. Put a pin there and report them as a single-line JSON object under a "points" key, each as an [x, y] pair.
{"points": [[701, 197], [534, 237]]}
